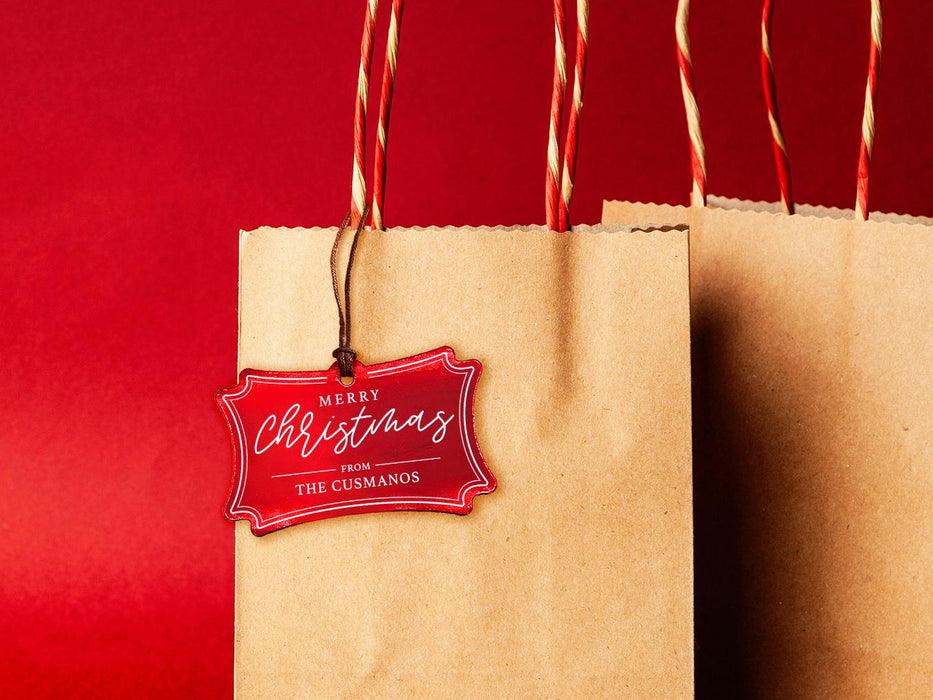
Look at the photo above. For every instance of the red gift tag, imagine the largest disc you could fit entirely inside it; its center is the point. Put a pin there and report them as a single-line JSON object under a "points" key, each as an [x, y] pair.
{"points": [[400, 437]]}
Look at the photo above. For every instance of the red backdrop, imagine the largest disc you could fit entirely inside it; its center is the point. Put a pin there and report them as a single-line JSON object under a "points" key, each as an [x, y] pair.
{"points": [[137, 139]]}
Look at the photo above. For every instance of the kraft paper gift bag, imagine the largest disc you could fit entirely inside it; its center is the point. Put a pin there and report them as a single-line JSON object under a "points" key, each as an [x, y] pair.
{"points": [[813, 426], [573, 578], [812, 349]]}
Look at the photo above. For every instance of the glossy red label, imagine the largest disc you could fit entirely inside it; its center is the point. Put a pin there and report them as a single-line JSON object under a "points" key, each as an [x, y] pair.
{"points": [[400, 437]]}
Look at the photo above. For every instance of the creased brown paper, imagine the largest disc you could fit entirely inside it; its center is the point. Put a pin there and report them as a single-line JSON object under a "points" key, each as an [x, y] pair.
{"points": [[575, 577], [813, 448]]}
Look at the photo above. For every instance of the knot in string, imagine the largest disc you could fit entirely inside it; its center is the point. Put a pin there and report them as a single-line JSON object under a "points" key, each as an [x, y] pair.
{"points": [[344, 353], [346, 356]]}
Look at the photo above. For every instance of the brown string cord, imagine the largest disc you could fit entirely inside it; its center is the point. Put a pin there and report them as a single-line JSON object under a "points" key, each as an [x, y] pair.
{"points": [[344, 353]]}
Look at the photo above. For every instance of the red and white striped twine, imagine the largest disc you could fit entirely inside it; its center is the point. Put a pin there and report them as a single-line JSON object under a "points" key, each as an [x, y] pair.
{"points": [[697, 149], [868, 116], [573, 127], [385, 106], [770, 88], [358, 186], [551, 194]]}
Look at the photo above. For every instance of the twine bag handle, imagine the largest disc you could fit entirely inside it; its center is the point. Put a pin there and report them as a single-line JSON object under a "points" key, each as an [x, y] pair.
{"points": [[685, 64], [697, 149], [557, 204], [358, 185], [774, 117], [385, 107], [868, 114]]}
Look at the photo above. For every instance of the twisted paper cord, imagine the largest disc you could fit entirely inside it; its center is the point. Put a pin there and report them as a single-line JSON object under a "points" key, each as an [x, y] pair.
{"points": [[385, 106], [697, 149], [774, 117], [868, 116], [573, 128], [551, 194], [358, 197]]}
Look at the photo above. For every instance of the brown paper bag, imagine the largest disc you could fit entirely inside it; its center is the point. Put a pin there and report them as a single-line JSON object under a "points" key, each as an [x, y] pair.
{"points": [[574, 578], [813, 427]]}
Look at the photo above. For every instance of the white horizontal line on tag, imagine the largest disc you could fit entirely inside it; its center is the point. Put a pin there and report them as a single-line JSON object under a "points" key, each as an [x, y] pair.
{"points": [[406, 461], [316, 471]]}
